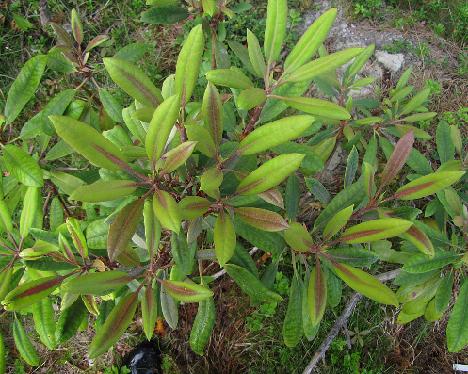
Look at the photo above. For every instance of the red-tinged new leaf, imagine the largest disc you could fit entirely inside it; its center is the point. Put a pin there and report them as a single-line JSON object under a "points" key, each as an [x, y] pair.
{"points": [[365, 284], [212, 111], [192, 207], [31, 292], [317, 294], [149, 310], [176, 157], [420, 240], [98, 40], [99, 283], [166, 210], [262, 219], [77, 27], [114, 326], [123, 227], [272, 196], [371, 231], [398, 158]]}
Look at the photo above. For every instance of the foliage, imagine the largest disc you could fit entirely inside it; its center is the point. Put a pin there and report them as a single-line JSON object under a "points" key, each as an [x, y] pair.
{"points": [[193, 172]]}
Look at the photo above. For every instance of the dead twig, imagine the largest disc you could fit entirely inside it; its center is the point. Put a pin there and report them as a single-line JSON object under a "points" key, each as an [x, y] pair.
{"points": [[342, 321]]}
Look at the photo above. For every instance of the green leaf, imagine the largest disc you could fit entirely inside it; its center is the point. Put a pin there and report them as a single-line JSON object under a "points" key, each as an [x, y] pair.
{"points": [[188, 63], [169, 309], [24, 345], [267, 241], [262, 219], [420, 240], [31, 292], [232, 78], [443, 294], [202, 326], [24, 86], [457, 326], [22, 166], [187, 292], [292, 196], [114, 326], [202, 137], [274, 133], [88, 142], [445, 145], [255, 55], [176, 157], [40, 123], [370, 231], [310, 41], [70, 320], [149, 310], [77, 27], [251, 285], [30, 210], [250, 98], [103, 190], [164, 15], [163, 120], [358, 64], [96, 41], [337, 222], [3, 355], [415, 102], [212, 111], [99, 283], [351, 166], [111, 105], [270, 174], [44, 322], [224, 238], [353, 194], [275, 31], [365, 284], [133, 81], [322, 65], [421, 263], [292, 324], [317, 294], [166, 210], [210, 181], [123, 228], [192, 207], [428, 185], [321, 108], [298, 238]]}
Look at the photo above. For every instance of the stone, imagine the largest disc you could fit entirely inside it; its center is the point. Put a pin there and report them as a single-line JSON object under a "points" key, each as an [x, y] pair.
{"points": [[392, 62]]}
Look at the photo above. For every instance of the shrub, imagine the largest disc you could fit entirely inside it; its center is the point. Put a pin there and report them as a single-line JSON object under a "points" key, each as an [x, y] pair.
{"points": [[171, 187]]}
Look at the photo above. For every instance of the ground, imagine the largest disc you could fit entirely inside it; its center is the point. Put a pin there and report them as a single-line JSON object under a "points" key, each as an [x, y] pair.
{"points": [[248, 338]]}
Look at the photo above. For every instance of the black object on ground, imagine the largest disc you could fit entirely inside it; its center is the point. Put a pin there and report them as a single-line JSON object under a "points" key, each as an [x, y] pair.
{"points": [[144, 359]]}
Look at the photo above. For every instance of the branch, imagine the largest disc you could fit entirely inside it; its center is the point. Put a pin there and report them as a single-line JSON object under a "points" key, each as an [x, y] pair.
{"points": [[341, 322]]}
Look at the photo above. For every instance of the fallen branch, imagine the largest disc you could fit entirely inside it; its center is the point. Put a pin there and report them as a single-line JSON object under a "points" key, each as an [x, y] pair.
{"points": [[341, 322]]}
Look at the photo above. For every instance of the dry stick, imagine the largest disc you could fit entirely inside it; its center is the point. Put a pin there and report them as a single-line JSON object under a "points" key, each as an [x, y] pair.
{"points": [[341, 322]]}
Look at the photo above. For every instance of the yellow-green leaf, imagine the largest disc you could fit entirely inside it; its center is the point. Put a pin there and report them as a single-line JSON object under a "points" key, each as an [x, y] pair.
{"points": [[176, 157], [212, 111], [298, 238], [250, 98], [370, 231], [104, 190], [255, 55], [99, 283], [262, 219], [232, 78], [317, 107], [338, 221], [275, 31], [224, 238], [166, 210], [187, 291]]}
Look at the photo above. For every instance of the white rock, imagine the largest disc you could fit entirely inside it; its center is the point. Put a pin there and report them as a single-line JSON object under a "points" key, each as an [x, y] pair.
{"points": [[392, 62]]}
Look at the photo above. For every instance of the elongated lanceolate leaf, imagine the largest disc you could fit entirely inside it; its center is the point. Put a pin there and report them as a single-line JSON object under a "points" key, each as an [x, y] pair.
{"points": [[30, 210], [123, 227], [166, 210], [176, 157], [255, 55], [164, 118], [104, 191], [370, 231], [428, 185], [250, 98], [398, 159], [22, 166], [317, 107], [133, 81], [310, 41], [420, 240], [188, 292], [274, 133], [298, 238], [224, 238], [270, 174], [317, 294], [457, 326], [44, 322], [88, 142], [338, 221], [262, 219], [202, 326], [275, 31], [24, 345], [24, 86], [232, 78], [99, 283], [192, 207], [149, 310], [292, 324], [188, 63], [365, 284], [212, 111], [114, 326]]}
